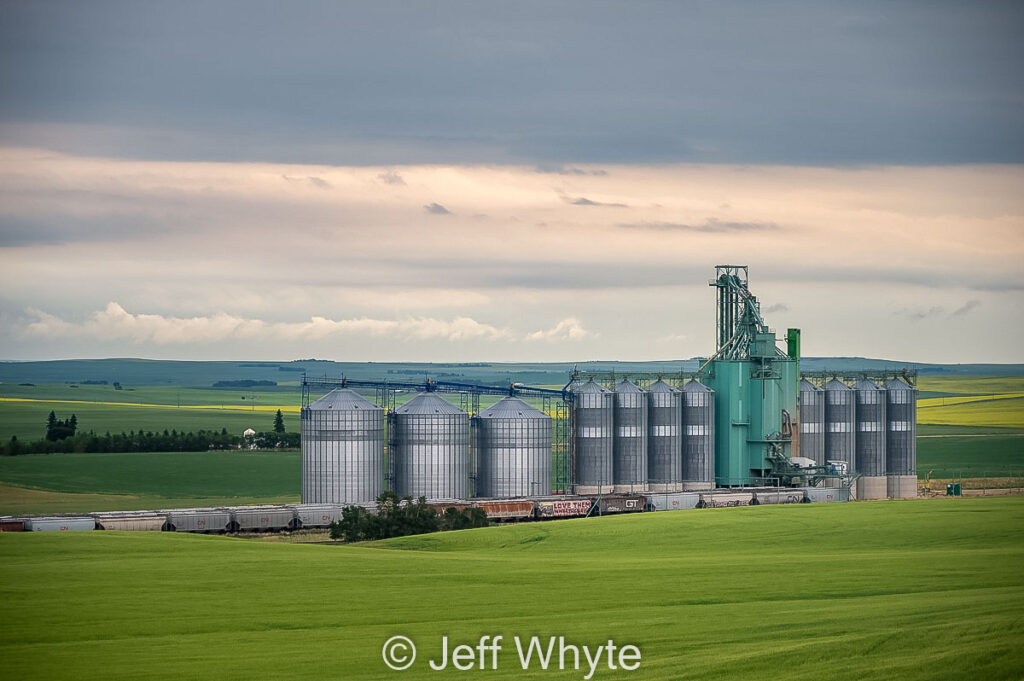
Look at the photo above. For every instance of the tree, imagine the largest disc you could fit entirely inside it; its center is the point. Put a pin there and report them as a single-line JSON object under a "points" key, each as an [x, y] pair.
{"points": [[57, 429], [279, 422]]}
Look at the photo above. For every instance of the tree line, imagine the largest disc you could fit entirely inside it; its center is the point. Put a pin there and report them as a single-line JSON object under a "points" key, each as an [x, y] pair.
{"points": [[63, 436], [402, 517]]}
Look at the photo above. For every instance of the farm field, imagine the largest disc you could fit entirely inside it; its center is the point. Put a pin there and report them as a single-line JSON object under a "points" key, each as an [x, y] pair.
{"points": [[975, 432], [23, 409], [49, 483], [27, 420], [928, 590]]}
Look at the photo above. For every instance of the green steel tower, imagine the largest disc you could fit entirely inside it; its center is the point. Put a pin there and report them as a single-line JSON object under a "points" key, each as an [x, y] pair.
{"points": [[755, 383]]}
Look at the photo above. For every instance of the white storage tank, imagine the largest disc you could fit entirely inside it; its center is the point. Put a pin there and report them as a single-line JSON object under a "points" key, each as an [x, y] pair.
{"points": [[812, 422], [430, 452], [593, 417], [629, 458], [512, 442], [342, 449], [664, 437], [698, 436], [871, 436], [901, 440]]}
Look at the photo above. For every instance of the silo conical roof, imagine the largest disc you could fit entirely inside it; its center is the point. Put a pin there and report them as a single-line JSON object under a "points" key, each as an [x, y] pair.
{"points": [[865, 384], [428, 403], [591, 387], [342, 399], [897, 384], [661, 386], [625, 386], [695, 386], [808, 387], [512, 408], [836, 384]]}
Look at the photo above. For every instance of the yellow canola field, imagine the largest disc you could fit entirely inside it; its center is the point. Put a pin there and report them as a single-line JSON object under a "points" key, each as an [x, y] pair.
{"points": [[971, 385], [1006, 413], [965, 399], [287, 409]]}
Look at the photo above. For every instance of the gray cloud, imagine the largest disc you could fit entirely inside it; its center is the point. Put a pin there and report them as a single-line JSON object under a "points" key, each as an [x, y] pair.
{"points": [[485, 82], [923, 313], [568, 170], [777, 307], [919, 314], [584, 201], [391, 176], [965, 308], [711, 225], [318, 182], [436, 209]]}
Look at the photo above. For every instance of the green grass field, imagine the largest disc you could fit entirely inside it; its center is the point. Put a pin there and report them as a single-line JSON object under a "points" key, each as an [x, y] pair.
{"points": [[166, 473], [27, 420], [971, 427], [898, 590], [970, 457]]}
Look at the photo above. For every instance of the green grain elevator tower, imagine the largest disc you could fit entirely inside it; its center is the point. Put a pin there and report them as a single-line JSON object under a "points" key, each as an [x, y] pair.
{"points": [[756, 386]]}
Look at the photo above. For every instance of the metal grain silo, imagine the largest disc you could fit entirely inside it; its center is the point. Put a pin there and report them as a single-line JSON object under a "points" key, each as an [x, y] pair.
{"points": [[431, 449], [698, 436], [592, 419], [512, 442], [629, 460], [812, 422], [870, 440], [901, 440], [664, 437], [840, 424], [342, 449]]}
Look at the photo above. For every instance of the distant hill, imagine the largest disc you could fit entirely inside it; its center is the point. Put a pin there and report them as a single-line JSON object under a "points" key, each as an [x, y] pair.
{"points": [[206, 374]]}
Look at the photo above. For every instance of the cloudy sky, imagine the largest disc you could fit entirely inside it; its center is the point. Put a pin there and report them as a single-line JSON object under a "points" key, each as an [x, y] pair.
{"points": [[465, 181]]}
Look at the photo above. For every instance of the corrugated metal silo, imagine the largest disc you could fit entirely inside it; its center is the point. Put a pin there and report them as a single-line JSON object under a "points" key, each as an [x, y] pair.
{"points": [[901, 440], [342, 449], [840, 424], [812, 422], [698, 436], [870, 441], [431, 449], [664, 437], [512, 442], [629, 467], [593, 418]]}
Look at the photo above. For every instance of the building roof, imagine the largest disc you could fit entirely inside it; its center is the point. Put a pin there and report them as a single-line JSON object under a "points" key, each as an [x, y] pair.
{"points": [[808, 387], [428, 403], [625, 386], [836, 384], [661, 386], [343, 399], [512, 408], [695, 386]]}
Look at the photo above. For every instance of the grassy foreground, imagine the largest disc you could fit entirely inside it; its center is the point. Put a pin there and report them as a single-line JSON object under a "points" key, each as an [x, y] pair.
{"points": [[908, 590], [72, 483]]}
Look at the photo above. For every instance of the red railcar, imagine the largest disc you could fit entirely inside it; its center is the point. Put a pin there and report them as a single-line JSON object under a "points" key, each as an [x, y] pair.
{"points": [[563, 508], [506, 511]]}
